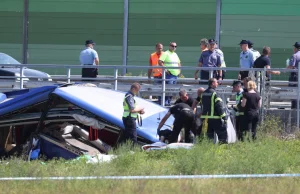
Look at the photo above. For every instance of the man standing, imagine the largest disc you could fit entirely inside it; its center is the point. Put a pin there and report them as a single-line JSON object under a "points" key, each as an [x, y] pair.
{"points": [[89, 57], [246, 59], [264, 61], [223, 64], [153, 61], [294, 63], [256, 54], [239, 110], [209, 58], [204, 44], [130, 114], [170, 59], [184, 118], [213, 116]]}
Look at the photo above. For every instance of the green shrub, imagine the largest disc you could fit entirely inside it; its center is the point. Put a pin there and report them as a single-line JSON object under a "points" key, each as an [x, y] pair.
{"points": [[271, 126]]}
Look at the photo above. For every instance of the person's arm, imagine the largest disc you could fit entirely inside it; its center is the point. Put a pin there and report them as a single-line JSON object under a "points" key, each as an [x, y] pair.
{"points": [[292, 63], [162, 58], [97, 61], [251, 58], [244, 101], [195, 103], [199, 65], [96, 58], [179, 65], [194, 106], [272, 72], [130, 101], [162, 122], [259, 103], [219, 106], [177, 101], [150, 70], [219, 63]]}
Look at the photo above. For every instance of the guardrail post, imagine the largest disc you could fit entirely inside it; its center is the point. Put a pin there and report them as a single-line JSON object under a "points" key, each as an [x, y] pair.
{"points": [[21, 77], [298, 97], [263, 95], [210, 74], [69, 75], [163, 96], [116, 79]]}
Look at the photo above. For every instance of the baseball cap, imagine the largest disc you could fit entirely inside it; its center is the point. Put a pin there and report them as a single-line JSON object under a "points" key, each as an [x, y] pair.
{"points": [[212, 41], [89, 42], [297, 44], [243, 42]]}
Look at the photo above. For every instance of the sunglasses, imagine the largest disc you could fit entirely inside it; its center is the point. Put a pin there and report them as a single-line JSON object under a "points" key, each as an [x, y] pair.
{"points": [[173, 46]]}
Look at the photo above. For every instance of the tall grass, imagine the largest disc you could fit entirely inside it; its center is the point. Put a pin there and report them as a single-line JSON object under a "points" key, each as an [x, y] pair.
{"points": [[268, 155], [232, 186]]}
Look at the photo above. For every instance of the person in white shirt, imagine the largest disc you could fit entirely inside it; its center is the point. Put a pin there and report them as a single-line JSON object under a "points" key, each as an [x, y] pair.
{"points": [[221, 54], [256, 53]]}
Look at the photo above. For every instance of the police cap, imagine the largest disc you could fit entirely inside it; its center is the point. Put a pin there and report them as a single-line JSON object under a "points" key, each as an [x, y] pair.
{"points": [[243, 42], [89, 42], [297, 45], [212, 41]]}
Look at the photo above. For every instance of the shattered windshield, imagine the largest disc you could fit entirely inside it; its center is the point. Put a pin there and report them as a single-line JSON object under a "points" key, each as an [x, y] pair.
{"points": [[6, 59]]}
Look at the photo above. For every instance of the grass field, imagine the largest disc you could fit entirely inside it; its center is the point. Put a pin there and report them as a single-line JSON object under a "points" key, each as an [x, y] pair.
{"points": [[232, 186], [269, 154]]}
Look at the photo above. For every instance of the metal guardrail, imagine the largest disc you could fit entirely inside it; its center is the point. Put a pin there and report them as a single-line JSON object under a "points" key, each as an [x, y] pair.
{"points": [[164, 88]]}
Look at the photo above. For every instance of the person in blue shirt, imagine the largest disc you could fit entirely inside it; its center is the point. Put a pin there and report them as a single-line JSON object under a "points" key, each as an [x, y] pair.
{"points": [[89, 56], [209, 58], [246, 59], [294, 63]]}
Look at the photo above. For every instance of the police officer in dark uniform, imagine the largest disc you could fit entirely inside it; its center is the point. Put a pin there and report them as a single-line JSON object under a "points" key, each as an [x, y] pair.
{"points": [[239, 110], [184, 117], [213, 115], [130, 114], [294, 63]]}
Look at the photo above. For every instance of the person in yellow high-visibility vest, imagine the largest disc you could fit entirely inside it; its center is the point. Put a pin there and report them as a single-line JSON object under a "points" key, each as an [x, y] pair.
{"points": [[213, 112], [170, 59], [239, 110], [130, 114]]}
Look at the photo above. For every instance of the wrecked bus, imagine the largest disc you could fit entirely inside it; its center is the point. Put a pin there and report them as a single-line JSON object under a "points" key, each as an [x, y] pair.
{"points": [[63, 120]]}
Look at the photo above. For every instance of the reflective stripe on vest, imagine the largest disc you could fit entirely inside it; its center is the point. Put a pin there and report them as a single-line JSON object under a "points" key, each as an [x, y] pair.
{"points": [[127, 112], [237, 100], [154, 62], [212, 108], [239, 114]]}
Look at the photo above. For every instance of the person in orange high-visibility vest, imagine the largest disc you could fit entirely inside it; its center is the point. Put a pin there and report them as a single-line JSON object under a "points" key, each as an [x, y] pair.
{"points": [[156, 72], [153, 61]]}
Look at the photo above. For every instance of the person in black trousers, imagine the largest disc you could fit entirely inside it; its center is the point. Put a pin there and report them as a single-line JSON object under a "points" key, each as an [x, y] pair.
{"points": [[130, 115], [184, 117], [252, 102]]}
